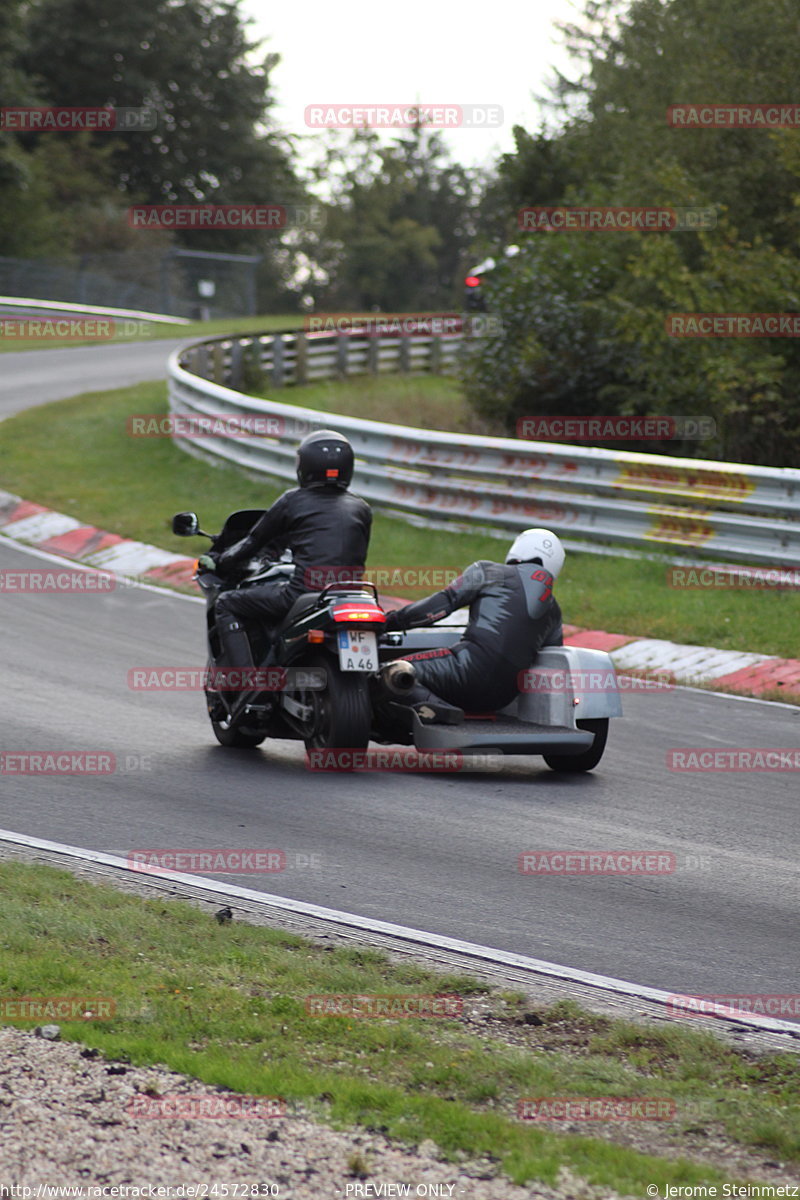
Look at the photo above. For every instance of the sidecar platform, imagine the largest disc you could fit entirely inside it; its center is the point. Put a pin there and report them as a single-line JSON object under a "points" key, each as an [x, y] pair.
{"points": [[504, 735]]}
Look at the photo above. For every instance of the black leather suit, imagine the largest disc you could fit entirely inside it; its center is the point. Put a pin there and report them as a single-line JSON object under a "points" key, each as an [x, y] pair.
{"points": [[512, 614], [322, 526]]}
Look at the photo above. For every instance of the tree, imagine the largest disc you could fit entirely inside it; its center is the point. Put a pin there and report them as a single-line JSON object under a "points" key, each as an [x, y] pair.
{"points": [[584, 313], [398, 225], [187, 63], [28, 223]]}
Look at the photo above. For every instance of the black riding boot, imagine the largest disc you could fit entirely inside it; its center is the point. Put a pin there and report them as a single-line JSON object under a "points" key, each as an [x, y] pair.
{"points": [[235, 654], [430, 708], [398, 681]]}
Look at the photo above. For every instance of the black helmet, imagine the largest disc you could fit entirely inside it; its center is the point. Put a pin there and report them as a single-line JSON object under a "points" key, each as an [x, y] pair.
{"points": [[325, 457]]}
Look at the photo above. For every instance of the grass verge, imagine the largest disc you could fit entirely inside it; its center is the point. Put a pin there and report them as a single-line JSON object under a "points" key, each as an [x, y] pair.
{"points": [[75, 456], [154, 331], [226, 1004], [422, 401]]}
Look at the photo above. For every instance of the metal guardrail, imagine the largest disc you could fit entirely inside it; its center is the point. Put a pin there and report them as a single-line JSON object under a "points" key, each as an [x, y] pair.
{"points": [[724, 510]]}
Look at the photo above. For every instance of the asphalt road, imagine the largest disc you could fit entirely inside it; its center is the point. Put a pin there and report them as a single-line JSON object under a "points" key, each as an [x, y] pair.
{"points": [[435, 851], [33, 377], [438, 852]]}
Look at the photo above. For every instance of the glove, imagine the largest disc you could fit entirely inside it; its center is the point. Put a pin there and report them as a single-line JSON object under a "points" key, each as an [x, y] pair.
{"points": [[393, 622], [206, 563]]}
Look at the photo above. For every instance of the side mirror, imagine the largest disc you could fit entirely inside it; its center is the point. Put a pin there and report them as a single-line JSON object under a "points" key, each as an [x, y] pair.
{"points": [[185, 524]]}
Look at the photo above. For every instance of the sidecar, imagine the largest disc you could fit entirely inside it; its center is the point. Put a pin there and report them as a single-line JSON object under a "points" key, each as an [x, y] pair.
{"points": [[561, 712]]}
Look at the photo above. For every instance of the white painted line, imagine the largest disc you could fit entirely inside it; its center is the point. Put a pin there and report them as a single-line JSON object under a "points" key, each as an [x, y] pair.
{"points": [[132, 582], [403, 932], [42, 526], [59, 306]]}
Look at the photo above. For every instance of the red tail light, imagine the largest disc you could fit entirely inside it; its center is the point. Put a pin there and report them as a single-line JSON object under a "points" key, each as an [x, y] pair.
{"points": [[473, 281], [358, 612]]}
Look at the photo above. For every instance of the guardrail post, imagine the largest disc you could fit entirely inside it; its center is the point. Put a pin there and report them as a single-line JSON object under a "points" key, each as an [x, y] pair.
{"points": [[373, 354], [277, 361], [218, 363], [252, 370], [235, 374], [341, 355], [435, 356], [300, 358], [405, 354]]}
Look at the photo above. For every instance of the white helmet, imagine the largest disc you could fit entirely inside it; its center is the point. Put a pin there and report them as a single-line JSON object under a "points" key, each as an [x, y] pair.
{"points": [[538, 543]]}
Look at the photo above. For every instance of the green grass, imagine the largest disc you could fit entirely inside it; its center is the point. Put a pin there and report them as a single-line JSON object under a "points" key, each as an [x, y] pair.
{"points": [[424, 402], [156, 330], [75, 456], [226, 1005]]}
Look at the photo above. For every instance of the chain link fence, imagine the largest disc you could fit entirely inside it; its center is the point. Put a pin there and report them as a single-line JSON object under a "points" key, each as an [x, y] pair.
{"points": [[178, 283]]}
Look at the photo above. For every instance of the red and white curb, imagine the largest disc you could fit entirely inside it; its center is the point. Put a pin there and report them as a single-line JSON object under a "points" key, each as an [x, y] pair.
{"points": [[34, 525], [57, 534], [749, 674]]}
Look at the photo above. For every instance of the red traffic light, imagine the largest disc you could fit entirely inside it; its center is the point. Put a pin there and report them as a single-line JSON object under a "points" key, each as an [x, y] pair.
{"points": [[473, 281]]}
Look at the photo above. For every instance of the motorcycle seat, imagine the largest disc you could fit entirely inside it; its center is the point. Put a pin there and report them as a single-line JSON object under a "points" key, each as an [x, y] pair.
{"points": [[302, 605]]}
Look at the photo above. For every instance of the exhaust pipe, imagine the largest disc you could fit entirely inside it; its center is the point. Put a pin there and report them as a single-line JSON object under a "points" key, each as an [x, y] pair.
{"points": [[398, 677]]}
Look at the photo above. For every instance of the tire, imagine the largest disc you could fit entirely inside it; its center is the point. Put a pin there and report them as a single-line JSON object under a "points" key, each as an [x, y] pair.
{"points": [[241, 738], [342, 711], [588, 760]]}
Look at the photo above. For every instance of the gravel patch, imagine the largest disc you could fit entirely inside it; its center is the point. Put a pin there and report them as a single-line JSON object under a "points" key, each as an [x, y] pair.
{"points": [[64, 1120]]}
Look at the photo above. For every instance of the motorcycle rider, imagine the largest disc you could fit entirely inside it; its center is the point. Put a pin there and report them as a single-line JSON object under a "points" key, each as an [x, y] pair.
{"points": [[320, 521], [512, 614]]}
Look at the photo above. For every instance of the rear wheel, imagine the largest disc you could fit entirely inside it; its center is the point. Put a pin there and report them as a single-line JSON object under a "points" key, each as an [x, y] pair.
{"points": [[341, 711], [587, 760], [241, 737]]}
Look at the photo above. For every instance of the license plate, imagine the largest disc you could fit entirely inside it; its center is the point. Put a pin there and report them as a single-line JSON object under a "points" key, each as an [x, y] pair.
{"points": [[358, 650]]}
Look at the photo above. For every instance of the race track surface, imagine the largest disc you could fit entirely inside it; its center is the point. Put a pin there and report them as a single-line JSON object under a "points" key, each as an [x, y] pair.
{"points": [[434, 851]]}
